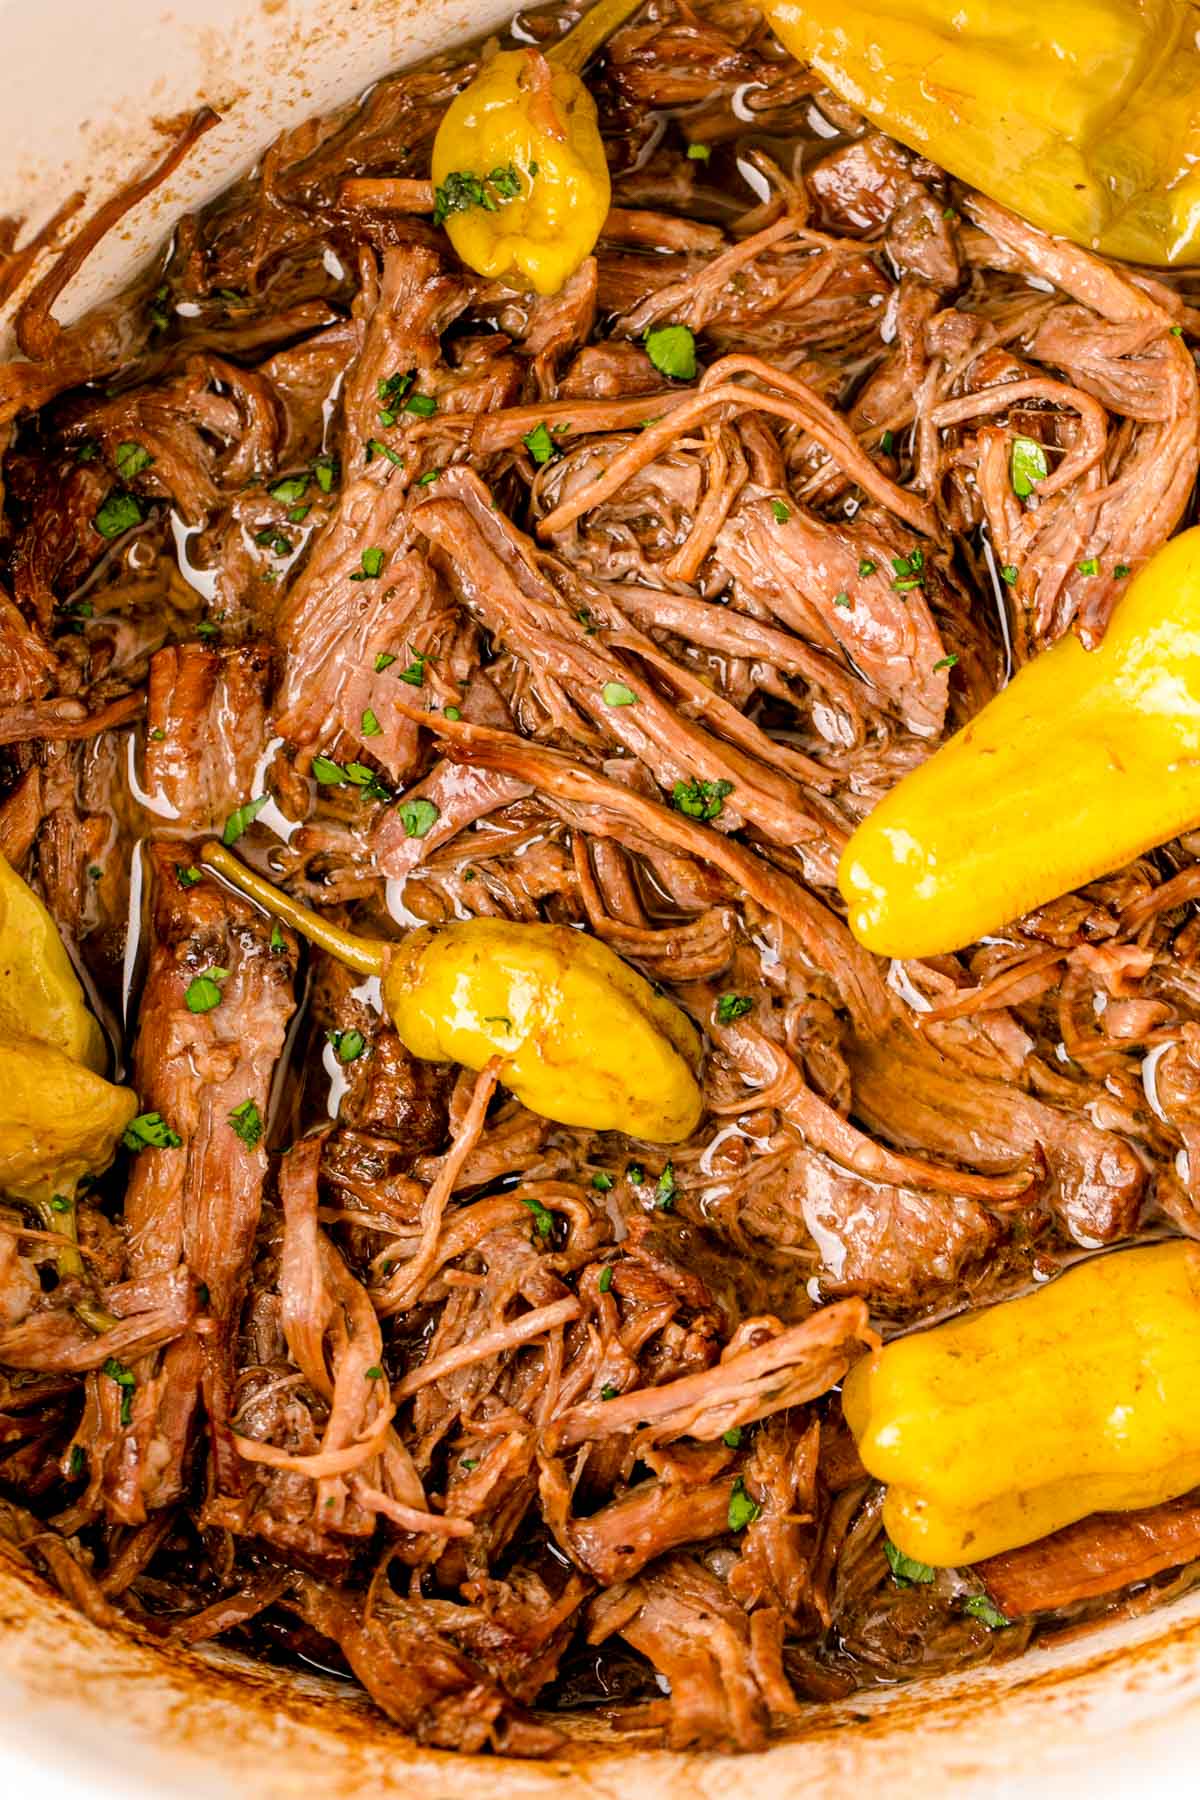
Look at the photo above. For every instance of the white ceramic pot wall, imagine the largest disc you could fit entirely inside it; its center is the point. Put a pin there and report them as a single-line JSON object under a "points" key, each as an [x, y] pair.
{"points": [[84, 1713]]}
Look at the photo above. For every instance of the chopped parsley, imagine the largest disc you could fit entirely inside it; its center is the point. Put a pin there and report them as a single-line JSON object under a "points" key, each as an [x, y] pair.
{"points": [[698, 152], [158, 735], [905, 1569], [126, 1381], [782, 511], [325, 469], [247, 1122], [602, 1181], [375, 447], [88, 451], [149, 1131], [944, 662], [348, 1046], [327, 772], [1089, 566], [543, 1219], [733, 1437], [908, 571], [423, 405], [206, 630], [1027, 464], [700, 799], [453, 714], [418, 817], [635, 1174], [608, 1391], [1177, 331], [290, 489], [119, 514], [372, 566], [742, 1509], [374, 1373], [131, 459], [866, 567], [273, 540], [733, 1006], [672, 350], [979, 1606], [278, 943], [887, 442], [429, 477], [244, 816], [78, 1462], [665, 1189], [187, 878], [1121, 571], [204, 990], [370, 724], [383, 661], [1009, 573], [539, 443], [414, 674], [605, 1281], [615, 693], [461, 190], [60, 1204], [842, 600]]}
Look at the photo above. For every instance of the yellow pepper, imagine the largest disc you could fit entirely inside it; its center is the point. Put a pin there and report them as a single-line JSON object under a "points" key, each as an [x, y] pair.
{"points": [[580, 1036], [1082, 115], [58, 1122], [1005, 1424], [1085, 760], [40, 995], [520, 175]]}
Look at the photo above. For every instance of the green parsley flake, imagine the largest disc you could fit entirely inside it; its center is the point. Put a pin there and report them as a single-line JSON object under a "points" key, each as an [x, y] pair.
{"points": [[908, 571], [1089, 566], [290, 489], [461, 190], [60, 1204], [247, 1123], [429, 477], [374, 1373], [700, 799], [1027, 465], [126, 1381], [423, 405], [131, 459], [979, 1606], [325, 469], [187, 878], [602, 1181], [905, 1569], [782, 511], [119, 514], [665, 1189], [842, 600], [242, 818], [944, 662], [418, 817], [327, 772], [78, 1462], [615, 693], [149, 1131], [1009, 573], [698, 152], [375, 447], [887, 442], [1121, 571], [88, 451], [733, 1006], [452, 713], [732, 1438], [635, 1174], [372, 566], [383, 661], [742, 1509], [414, 675], [608, 1391], [348, 1045], [866, 567], [370, 724], [672, 350], [278, 941], [539, 443], [605, 1281], [204, 990], [542, 1218]]}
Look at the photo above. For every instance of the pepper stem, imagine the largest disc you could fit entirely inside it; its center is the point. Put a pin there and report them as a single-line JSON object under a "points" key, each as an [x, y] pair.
{"points": [[357, 953], [583, 40]]}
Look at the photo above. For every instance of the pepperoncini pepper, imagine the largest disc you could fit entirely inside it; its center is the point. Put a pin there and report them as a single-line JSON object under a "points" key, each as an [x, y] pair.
{"points": [[40, 995], [1085, 760], [520, 175], [1005, 1424], [1082, 115], [581, 1037]]}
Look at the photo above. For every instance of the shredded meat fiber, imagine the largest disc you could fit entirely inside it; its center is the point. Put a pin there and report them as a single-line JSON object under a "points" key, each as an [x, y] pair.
{"points": [[367, 1365]]}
